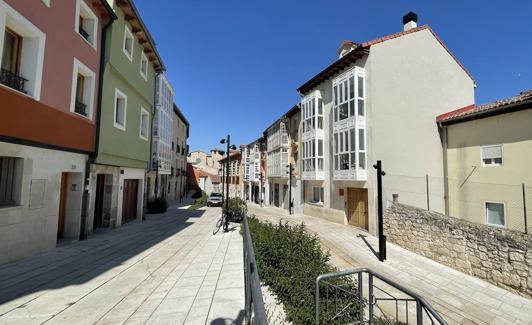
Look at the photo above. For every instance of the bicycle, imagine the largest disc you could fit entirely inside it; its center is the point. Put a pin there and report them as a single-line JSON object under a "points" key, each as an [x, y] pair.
{"points": [[222, 221]]}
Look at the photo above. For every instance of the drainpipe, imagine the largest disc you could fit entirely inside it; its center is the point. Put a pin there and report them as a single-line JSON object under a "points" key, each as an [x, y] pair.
{"points": [[92, 157], [443, 128]]}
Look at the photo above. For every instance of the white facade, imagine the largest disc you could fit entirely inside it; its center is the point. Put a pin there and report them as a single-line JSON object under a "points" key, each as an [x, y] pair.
{"points": [[163, 125]]}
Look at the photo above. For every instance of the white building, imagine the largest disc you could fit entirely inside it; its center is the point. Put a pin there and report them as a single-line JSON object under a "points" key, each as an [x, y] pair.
{"points": [[252, 161], [377, 102]]}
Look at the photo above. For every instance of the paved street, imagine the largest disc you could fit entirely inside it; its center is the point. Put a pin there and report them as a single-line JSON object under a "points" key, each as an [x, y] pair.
{"points": [[169, 269], [460, 298]]}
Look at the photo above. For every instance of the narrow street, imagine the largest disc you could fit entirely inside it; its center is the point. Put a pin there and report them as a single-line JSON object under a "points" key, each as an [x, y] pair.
{"points": [[168, 269], [458, 297]]}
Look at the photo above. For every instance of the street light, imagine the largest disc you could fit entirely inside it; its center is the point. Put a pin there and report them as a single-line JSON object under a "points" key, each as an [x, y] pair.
{"points": [[229, 147]]}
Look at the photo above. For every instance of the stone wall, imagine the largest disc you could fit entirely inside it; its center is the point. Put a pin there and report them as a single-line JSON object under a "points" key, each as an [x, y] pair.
{"points": [[502, 257]]}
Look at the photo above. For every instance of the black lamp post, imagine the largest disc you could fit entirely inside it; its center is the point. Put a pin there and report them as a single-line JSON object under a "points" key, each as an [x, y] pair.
{"points": [[229, 147]]}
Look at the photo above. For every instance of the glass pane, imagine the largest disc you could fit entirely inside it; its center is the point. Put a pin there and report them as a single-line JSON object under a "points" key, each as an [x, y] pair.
{"points": [[345, 91], [313, 148], [341, 94], [320, 164], [361, 139], [346, 143], [360, 87], [495, 213], [313, 104], [320, 148], [352, 108], [353, 164], [335, 162], [335, 113], [362, 160], [10, 54], [343, 111], [336, 143], [320, 106], [320, 122], [351, 87], [344, 161], [361, 107], [352, 139], [335, 95], [341, 136]]}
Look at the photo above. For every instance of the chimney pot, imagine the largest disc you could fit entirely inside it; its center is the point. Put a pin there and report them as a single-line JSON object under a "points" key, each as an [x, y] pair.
{"points": [[410, 20]]}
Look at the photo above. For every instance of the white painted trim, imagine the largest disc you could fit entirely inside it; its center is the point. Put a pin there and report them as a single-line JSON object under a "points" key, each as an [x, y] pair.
{"points": [[80, 4], [82, 69], [46, 3], [144, 111], [119, 93], [486, 214], [492, 165], [127, 32], [26, 29], [142, 74]]}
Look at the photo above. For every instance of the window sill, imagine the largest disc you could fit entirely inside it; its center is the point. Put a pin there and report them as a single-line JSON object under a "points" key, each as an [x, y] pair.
{"points": [[87, 41], [318, 204], [18, 91]]}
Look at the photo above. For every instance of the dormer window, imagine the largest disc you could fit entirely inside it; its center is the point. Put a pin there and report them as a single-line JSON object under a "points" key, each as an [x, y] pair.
{"points": [[86, 23]]}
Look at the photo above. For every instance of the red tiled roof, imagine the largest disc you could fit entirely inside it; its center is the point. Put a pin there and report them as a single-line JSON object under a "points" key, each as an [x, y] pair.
{"points": [[473, 109]]}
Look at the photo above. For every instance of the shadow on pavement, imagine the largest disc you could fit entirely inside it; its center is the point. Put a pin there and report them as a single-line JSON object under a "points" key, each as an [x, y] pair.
{"points": [[226, 321]]}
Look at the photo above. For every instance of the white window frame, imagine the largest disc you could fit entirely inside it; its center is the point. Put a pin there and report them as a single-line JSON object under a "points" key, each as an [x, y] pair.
{"points": [[144, 111], [33, 43], [143, 57], [119, 93], [486, 214], [82, 69], [321, 190], [46, 3], [82, 6], [16, 182], [483, 164], [127, 32]]}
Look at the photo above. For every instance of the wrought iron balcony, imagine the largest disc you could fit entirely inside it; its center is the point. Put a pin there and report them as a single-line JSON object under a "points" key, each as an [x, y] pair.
{"points": [[80, 108], [12, 80], [83, 33]]}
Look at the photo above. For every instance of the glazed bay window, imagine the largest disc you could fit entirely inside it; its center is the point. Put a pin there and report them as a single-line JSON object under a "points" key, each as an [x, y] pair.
{"points": [[349, 126], [83, 87], [312, 136], [10, 181], [120, 110], [86, 23], [491, 155]]}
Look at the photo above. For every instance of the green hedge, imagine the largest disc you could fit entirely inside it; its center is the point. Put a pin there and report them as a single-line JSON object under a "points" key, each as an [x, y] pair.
{"points": [[289, 261], [201, 201], [236, 210]]}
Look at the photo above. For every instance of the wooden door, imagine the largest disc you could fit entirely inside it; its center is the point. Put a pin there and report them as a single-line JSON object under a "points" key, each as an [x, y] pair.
{"points": [[357, 207], [62, 205], [98, 205], [129, 200]]}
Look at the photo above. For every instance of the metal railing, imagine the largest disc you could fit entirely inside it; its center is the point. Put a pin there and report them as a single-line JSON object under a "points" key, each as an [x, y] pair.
{"points": [[345, 300], [12, 80], [80, 108], [83, 33], [254, 309]]}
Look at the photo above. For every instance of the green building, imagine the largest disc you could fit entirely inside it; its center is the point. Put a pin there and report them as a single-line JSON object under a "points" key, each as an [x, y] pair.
{"points": [[118, 169]]}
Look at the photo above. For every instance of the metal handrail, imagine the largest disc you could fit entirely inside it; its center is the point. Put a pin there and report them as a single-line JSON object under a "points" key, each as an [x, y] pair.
{"points": [[80, 108], [421, 303], [12, 80], [255, 312]]}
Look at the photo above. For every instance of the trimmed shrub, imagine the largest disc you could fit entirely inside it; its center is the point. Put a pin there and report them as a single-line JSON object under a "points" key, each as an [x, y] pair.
{"points": [[201, 201], [236, 209], [289, 260], [197, 194], [158, 205]]}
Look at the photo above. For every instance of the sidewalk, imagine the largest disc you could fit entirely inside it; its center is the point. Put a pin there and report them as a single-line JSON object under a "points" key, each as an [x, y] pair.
{"points": [[458, 297], [168, 269]]}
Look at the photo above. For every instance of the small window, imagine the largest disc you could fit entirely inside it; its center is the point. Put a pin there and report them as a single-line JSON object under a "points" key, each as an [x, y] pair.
{"points": [[144, 66], [11, 61], [128, 43], [491, 155], [120, 110], [83, 85], [10, 181], [86, 23], [144, 124], [317, 194], [495, 214]]}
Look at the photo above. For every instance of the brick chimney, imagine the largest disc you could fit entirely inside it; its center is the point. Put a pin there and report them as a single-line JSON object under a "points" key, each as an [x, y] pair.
{"points": [[410, 21]]}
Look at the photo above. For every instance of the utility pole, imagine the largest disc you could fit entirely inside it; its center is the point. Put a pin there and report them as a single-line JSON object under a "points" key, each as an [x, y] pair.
{"points": [[156, 177], [382, 238], [290, 205]]}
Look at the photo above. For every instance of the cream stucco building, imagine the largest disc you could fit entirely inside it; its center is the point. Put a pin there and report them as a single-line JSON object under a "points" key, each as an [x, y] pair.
{"points": [[377, 102], [488, 155]]}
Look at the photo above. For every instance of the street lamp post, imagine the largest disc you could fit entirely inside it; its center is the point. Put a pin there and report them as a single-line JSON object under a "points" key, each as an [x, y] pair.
{"points": [[156, 177], [229, 147]]}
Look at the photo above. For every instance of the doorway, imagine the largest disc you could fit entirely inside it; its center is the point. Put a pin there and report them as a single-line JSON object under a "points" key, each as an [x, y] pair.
{"points": [[62, 206], [98, 205], [357, 207], [286, 203], [130, 200]]}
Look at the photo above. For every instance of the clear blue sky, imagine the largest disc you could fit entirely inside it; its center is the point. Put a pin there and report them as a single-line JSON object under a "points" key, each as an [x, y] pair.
{"points": [[235, 65]]}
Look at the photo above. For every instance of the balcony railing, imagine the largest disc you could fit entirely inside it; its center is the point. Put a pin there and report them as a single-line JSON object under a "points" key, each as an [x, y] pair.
{"points": [[83, 33], [12, 80], [80, 108]]}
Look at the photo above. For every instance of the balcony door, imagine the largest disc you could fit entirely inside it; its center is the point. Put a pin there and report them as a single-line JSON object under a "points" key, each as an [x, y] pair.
{"points": [[357, 207]]}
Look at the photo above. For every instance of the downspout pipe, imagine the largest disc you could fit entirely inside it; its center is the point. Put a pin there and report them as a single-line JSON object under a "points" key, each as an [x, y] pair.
{"points": [[443, 129], [92, 157]]}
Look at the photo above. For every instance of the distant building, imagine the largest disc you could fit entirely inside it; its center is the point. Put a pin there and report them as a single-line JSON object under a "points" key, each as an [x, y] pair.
{"points": [[177, 182], [235, 186], [487, 159], [209, 162]]}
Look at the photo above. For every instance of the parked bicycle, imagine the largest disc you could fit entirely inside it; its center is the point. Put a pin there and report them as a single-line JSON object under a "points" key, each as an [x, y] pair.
{"points": [[223, 221]]}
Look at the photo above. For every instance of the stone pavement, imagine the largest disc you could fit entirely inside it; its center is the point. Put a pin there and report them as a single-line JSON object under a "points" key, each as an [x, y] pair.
{"points": [[458, 297], [169, 269]]}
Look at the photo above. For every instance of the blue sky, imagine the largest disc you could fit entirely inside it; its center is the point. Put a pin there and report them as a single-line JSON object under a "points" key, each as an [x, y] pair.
{"points": [[235, 65]]}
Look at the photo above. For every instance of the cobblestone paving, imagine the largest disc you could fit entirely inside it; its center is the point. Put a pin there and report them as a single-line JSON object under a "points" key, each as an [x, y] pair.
{"points": [[169, 269]]}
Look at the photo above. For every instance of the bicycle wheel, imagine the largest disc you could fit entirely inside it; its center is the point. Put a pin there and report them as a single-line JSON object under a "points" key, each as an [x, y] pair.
{"points": [[226, 223], [217, 226]]}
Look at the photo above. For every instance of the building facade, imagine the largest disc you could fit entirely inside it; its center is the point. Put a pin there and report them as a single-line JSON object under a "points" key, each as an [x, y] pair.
{"points": [[159, 178], [353, 113], [118, 170], [49, 111], [233, 171], [487, 155], [178, 180], [209, 162], [254, 171]]}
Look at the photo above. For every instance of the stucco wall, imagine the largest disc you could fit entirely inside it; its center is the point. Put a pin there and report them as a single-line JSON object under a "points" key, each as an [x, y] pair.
{"points": [[25, 229], [471, 184]]}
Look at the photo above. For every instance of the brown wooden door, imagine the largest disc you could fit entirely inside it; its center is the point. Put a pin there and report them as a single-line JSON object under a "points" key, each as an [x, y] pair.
{"points": [[98, 205], [357, 207], [62, 205], [129, 200]]}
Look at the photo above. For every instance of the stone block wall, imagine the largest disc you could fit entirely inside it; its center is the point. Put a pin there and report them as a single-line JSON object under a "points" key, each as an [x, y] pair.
{"points": [[500, 256]]}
